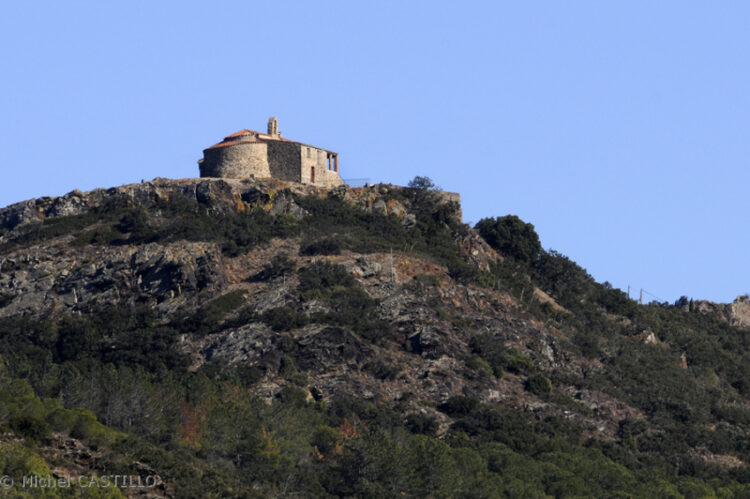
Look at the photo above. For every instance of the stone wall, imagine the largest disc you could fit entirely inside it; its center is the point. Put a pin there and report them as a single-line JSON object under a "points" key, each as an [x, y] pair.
{"points": [[327, 178], [451, 197], [313, 157], [236, 161], [309, 160], [284, 160]]}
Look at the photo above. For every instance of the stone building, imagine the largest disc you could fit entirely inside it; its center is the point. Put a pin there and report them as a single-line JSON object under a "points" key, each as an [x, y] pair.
{"points": [[248, 154]]}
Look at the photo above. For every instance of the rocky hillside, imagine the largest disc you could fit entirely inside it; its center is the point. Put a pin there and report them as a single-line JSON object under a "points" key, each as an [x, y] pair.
{"points": [[210, 326], [736, 313], [430, 316]]}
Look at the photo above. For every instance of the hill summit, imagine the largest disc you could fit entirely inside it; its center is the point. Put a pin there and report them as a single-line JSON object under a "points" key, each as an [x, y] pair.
{"points": [[256, 337]]}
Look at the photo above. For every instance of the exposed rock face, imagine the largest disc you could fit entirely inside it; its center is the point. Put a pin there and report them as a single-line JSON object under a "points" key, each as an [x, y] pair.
{"points": [[63, 277], [427, 359], [58, 276], [216, 195], [736, 313], [740, 311], [36, 210], [335, 346], [252, 344]]}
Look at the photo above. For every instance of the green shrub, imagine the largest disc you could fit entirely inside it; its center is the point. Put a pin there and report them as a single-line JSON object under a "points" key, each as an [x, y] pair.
{"points": [[462, 272], [422, 423], [61, 420], [286, 366], [325, 439], [280, 265], [85, 426], [509, 275], [511, 236], [354, 308], [30, 425], [326, 246], [18, 461], [563, 279], [517, 362], [100, 235], [137, 222], [538, 384], [588, 341], [479, 364], [284, 318], [459, 405], [499, 357], [50, 228], [299, 379], [422, 184], [210, 315], [293, 396], [319, 279], [424, 198]]}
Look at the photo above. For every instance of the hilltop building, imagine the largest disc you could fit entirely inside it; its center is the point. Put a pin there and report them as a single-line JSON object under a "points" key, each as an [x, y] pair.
{"points": [[247, 154]]}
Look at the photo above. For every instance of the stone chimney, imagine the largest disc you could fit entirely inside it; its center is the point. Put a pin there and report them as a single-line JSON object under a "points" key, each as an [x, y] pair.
{"points": [[273, 127]]}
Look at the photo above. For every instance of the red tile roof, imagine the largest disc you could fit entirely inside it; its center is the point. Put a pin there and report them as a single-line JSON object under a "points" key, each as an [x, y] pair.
{"points": [[231, 140], [278, 138], [232, 143], [241, 133]]}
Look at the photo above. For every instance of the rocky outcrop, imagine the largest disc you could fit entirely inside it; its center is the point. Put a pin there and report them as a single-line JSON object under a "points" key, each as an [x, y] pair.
{"points": [[35, 210], [736, 313], [57, 275], [215, 195], [423, 359], [60, 277]]}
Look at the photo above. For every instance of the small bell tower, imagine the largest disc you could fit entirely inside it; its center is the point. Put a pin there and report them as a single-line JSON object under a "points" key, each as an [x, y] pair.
{"points": [[273, 127]]}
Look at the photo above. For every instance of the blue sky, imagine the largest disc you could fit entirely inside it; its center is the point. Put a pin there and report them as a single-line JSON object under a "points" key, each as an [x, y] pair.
{"points": [[619, 129]]}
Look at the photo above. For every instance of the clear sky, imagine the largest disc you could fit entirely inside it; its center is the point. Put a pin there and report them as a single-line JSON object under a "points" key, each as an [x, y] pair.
{"points": [[619, 129]]}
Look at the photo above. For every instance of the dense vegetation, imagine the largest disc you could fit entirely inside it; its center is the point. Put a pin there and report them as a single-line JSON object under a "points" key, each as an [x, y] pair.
{"points": [[117, 380], [703, 406]]}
